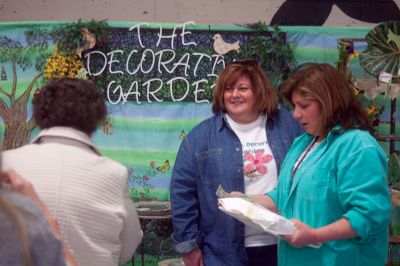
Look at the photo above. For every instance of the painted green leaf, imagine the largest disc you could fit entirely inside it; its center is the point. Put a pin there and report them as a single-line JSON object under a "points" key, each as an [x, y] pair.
{"points": [[383, 51], [394, 169]]}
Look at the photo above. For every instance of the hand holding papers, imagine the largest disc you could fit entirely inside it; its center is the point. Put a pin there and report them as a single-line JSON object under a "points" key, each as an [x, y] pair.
{"points": [[253, 214]]}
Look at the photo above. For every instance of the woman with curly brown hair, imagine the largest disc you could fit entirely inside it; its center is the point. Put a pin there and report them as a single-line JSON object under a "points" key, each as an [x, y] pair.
{"points": [[86, 192]]}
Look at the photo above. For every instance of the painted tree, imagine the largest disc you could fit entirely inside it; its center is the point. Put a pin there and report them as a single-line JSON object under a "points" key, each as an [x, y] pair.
{"points": [[13, 102], [69, 37]]}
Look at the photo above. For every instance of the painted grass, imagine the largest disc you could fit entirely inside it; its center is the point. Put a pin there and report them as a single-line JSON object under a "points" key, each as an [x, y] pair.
{"points": [[154, 124], [155, 193], [129, 157]]}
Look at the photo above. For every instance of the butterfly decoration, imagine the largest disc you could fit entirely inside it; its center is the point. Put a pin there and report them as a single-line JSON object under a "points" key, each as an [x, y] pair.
{"points": [[164, 167], [182, 135]]}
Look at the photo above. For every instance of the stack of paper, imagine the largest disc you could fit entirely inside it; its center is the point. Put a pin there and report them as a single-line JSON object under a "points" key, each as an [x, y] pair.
{"points": [[256, 215]]}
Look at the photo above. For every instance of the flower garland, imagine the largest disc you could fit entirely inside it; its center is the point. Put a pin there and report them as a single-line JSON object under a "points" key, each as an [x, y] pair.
{"points": [[62, 66]]}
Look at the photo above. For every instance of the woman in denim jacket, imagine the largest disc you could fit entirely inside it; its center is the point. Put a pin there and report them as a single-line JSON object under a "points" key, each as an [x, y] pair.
{"points": [[241, 148]]}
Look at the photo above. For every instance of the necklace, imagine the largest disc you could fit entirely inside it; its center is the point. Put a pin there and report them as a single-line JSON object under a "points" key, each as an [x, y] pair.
{"points": [[303, 157]]}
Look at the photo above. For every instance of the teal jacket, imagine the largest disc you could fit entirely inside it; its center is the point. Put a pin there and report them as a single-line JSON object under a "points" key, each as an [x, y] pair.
{"points": [[345, 176]]}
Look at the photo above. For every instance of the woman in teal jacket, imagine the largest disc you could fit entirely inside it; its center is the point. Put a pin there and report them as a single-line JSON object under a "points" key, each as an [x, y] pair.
{"points": [[333, 179]]}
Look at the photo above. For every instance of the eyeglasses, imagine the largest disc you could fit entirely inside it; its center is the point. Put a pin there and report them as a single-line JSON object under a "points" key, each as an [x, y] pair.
{"points": [[245, 62]]}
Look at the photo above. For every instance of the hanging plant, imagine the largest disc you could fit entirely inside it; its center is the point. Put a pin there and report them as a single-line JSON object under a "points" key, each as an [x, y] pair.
{"points": [[383, 51], [75, 35], [71, 40], [269, 46]]}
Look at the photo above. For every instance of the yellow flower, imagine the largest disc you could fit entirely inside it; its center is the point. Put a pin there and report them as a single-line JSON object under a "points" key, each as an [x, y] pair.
{"points": [[60, 66]]}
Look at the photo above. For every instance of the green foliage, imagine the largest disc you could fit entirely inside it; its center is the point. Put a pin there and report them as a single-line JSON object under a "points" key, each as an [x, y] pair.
{"points": [[394, 168], [13, 51], [382, 52], [38, 38], [69, 36], [270, 47]]}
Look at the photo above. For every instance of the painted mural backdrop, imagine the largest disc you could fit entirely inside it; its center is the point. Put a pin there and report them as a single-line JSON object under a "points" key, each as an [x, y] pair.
{"points": [[157, 78]]}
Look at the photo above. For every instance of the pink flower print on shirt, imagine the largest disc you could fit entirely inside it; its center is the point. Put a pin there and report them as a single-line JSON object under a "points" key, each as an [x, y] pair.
{"points": [[255, 165]]}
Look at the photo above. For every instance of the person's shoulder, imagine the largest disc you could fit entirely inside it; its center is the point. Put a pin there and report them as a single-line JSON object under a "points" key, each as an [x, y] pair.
{"points": [[208, 121], [282, 113], [206, 125], [17, 151], [284, 120], [357, 139], [109, 165], [356, 135], [282, 110]]}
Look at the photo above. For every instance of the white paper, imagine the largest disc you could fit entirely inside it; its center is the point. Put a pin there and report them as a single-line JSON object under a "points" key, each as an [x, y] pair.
{"points": [[255, 215]]}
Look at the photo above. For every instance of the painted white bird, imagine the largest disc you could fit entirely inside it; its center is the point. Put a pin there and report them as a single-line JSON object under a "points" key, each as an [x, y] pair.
{"points": [[221, 47]]}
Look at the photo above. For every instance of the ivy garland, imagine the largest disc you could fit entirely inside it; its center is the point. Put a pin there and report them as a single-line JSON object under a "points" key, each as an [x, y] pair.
{"points": [[269, 47]]}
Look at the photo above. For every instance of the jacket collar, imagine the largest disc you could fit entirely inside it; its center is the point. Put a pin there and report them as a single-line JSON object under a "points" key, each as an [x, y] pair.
{"points": [[316, 155], [67, 133], [221, 121]]}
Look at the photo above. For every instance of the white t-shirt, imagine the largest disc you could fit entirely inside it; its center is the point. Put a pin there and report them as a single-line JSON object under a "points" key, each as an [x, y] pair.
{"points": [[259, 167]]}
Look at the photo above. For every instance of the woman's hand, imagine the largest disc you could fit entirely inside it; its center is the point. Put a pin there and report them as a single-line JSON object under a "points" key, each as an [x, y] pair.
{"points": [[237, 194], [261, 199], [303, 235], [193, 258]]}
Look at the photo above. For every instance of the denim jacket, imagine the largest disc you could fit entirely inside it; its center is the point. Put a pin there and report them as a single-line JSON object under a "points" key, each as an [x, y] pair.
{"points": [[209, 156]]}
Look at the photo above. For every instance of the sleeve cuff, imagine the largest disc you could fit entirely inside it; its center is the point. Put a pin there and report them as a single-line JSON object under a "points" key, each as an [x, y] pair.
{"points": [[187, 246], [273, 195], [359, 225]]}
